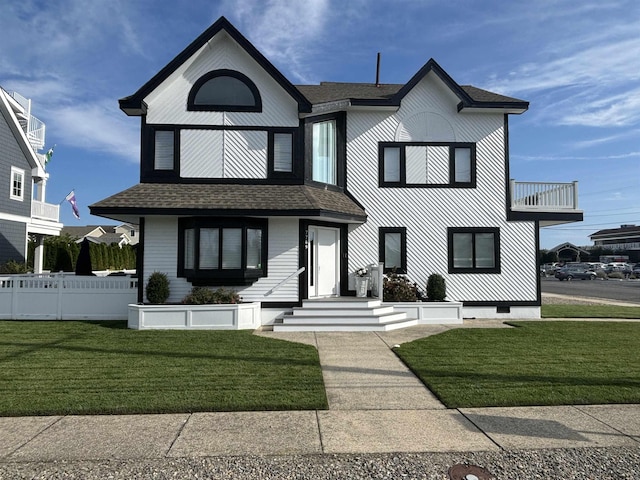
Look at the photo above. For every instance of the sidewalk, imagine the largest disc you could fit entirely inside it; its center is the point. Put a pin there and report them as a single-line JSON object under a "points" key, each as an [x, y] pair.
{"points": [[376, 405]]}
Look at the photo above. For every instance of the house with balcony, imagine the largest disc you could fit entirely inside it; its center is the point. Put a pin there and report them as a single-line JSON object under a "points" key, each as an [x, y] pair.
{"points": [[24, 211], [625, 238], [284, 191]]}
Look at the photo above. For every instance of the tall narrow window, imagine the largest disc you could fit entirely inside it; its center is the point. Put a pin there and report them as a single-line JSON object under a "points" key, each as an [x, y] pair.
{"points": [[282, 152], [254, 248], [324, 155], [209, 248], [189, 249], [231, 248], [391, 160], [393, 249], [17, 184], [163, 156], [462, 165], [474, 250]]}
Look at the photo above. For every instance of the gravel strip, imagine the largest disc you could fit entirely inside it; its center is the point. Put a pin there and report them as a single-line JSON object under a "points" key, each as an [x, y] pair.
{"points": [[583, 463]]}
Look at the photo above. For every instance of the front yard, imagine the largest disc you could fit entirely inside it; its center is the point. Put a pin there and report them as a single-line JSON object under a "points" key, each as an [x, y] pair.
{"points": [[102, 368], [536, 363]]}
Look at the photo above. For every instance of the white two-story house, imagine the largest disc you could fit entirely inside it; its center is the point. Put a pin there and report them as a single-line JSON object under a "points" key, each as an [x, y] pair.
{"points": [[284, 191], [24, 212]]}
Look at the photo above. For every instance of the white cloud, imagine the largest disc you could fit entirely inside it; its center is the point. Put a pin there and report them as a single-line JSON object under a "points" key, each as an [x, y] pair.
{"points": [[285, 32]]}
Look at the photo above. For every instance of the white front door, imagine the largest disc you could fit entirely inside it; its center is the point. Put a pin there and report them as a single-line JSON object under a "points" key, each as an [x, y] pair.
{"points": [[324, 262]]}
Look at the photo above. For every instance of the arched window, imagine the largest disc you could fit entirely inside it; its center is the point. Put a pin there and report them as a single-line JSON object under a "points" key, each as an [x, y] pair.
{"points": [[224, 91]]}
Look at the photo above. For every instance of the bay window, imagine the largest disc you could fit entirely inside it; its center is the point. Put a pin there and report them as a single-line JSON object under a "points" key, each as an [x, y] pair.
{"points": [[222, 251]]}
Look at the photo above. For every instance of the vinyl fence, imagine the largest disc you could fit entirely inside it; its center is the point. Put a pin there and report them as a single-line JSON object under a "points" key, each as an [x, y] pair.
{"points": [[66, 297]]}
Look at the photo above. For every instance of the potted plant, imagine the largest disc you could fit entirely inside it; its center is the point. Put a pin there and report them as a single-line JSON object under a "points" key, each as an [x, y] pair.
{"points": [[362, 282]]}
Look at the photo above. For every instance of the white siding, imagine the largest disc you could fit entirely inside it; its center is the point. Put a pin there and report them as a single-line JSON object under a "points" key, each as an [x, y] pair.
{"points": [[428, 212], [245, 154], [161, 249], [167, 104], [201, 154]]}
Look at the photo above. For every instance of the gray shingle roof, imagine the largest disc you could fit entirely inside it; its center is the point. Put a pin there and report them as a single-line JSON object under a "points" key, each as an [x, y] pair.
{"points": [[334, 91], [229, 199]]}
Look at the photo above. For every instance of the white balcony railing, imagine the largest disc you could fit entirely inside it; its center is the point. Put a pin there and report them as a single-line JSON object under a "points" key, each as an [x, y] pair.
{"points": [[33, 127], [542, 196], [45, 211]]}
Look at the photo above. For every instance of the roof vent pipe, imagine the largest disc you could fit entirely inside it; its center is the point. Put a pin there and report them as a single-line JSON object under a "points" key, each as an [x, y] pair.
{"points": [[378, 71]]}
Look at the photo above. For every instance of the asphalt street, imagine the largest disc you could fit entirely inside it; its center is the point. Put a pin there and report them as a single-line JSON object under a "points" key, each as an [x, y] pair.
{"points": [[619, 290]]}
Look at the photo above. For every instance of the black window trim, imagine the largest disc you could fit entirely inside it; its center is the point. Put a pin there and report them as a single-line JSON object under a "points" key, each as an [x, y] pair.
{"points": [[403, 248], [341, 148], [474, 230], [220, 276], [295, 165], [403, 165], [192, 106]]}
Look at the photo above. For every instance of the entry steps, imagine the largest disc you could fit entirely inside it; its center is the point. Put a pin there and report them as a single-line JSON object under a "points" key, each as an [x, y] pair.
{"points": [[343, 315]]}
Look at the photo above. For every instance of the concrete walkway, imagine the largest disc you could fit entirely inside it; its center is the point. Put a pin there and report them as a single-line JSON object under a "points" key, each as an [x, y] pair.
{"points": [[375, 405]]}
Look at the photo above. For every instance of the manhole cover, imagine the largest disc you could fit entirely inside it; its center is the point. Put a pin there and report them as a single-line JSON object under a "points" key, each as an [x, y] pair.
{"points": [[469, 472]]}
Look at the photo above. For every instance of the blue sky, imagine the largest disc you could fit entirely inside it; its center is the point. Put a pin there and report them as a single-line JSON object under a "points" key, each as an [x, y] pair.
{"points": [[577, 63]]}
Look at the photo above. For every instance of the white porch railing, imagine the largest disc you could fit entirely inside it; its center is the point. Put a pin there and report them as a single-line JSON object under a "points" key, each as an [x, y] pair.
{"points": [[45, 211], [377, 280], [66, 297], [542, 196], [33, 127]]}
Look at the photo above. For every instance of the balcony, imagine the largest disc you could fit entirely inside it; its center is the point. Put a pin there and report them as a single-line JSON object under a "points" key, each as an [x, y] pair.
{"points": [[549, 203], [45, 211], [32, 126]]}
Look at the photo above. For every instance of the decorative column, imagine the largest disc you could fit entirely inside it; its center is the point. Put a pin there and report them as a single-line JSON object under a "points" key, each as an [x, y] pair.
{"points": [[38, 254]]}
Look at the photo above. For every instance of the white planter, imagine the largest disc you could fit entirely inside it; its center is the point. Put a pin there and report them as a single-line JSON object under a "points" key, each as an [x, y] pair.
{"points": [[436, 313], [362, 284], [193, 317]]}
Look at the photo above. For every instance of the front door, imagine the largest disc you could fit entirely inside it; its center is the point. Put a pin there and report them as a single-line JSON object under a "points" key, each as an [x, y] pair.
{"points": [[323, 262]]}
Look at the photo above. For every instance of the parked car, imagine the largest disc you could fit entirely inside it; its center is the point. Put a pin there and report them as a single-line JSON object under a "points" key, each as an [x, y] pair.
{"points": [[623, 268], [568, 273]]}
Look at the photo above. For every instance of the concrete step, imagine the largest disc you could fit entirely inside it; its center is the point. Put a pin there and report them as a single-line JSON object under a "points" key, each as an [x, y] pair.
{"points": [[322, 318], [342, 302], [344, 327], [331, 310]]}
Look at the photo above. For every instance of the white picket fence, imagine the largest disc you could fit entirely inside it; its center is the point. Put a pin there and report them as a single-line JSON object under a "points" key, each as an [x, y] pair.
{"points": [[66, 297]]}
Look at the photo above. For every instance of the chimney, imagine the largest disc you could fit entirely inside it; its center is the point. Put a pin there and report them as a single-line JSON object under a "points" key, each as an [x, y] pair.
{"points": [[378, 71]]}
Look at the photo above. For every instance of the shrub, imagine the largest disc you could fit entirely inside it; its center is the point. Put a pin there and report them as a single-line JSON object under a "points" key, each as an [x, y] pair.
{"points": [[436, 288], [158, 288], [601, 274], [397, 288], [205, 296], [13, 267], [616, 275]]}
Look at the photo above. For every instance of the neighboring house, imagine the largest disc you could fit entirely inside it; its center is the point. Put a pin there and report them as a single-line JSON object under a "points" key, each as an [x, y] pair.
{"points": [[247, 179], [24, 212], [627, 237], [104, 234]]}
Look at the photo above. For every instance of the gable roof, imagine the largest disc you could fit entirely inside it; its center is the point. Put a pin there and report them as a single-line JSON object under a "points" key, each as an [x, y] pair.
{"points": [[229, 199], [134, 104], [370, 94]]}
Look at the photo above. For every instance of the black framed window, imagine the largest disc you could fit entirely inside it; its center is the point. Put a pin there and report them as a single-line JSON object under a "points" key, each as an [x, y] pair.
{"points": [[474, 250], [216, 251], [325, 149], [427, 164], [224, 91], [392, 243]]}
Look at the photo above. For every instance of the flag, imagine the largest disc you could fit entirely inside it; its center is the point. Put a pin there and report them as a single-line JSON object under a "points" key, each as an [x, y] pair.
{"points": [[71, 198], [48, 155]]}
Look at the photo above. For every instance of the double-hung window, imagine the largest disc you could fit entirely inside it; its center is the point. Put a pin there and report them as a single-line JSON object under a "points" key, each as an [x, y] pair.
{"points": [[17, 184], [221, 251], [392, 243], [427, 164], [474, 250]]}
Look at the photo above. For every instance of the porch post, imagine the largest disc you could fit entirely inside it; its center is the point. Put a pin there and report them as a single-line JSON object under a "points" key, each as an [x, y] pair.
{"points": [[38, 254]]}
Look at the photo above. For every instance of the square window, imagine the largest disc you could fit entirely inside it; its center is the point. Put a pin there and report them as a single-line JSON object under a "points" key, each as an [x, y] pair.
{"points": [[474, 250]]}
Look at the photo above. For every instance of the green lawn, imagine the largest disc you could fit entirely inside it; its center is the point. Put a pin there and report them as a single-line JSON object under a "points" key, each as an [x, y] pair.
{"points": [[538, 363], [102, 367], [589, 311]]}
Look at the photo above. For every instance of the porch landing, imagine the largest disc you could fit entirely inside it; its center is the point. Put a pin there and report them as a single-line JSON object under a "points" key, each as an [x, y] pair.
{"points": [[343, 314]]}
